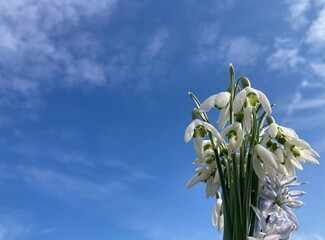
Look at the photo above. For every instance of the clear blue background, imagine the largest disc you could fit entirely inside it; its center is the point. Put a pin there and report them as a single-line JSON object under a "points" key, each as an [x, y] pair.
{"points": [[93, 108]]}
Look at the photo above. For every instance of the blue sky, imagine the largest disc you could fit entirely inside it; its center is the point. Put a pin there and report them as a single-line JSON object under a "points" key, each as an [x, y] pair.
{"points": [[93, 100]]}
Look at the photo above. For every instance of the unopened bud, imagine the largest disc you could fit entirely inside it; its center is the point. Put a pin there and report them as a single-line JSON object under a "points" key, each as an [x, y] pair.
{"points": [[245, 82], [239, 117], [270, 119], [195, 114]]}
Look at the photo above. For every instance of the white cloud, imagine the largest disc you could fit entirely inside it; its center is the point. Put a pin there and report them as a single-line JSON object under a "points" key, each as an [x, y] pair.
{"points": [[151, 58], [315, 35], [13, 226], [67, 186], [241, 51], [36, 45], [297, 13], [286, 55], [319, 69], [308, 97]]}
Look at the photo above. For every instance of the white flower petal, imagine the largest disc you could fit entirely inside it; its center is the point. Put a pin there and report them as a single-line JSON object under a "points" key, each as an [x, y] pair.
{"points": [[208, 104], [304, 155], [296, 163], [288, 132], [222, 99], [248, 117], [240, 137], [279, 154], [216, 213], [214, 131], [189, 132], [265, 102], [211, 188], [194, 180], [258, 168], [239, 100], [273, 130], [225, 131], [223, 117], [198, 146], [266, 156]]}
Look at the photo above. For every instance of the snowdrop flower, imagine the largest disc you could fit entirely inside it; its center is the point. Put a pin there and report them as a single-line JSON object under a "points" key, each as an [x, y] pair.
{"points": [[235, 135], [279, 199], [220, 101], [262, 159], [217, 215], [295, 149], [248, 98], [206, 171], [198, 130]]}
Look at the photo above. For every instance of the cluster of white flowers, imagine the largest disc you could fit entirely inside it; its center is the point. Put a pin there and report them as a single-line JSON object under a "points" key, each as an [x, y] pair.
{"points": [[253, 152]]}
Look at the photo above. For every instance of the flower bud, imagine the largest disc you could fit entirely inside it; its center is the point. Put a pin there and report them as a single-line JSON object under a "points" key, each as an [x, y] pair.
{"points": [[232, 71], [195, 114], [270, 120], [239, 117], [245, 82]]}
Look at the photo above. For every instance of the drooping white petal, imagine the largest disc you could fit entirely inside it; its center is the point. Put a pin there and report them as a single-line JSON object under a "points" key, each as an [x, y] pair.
{"points": [[273, 130], [225, 131], [265, 102], [194, 180], [189, 132], [222, 99], [223, 117], [258, 168], [240, 137], [279, 154], [266, 156], [217, 217], [248, 117], [296, 163], [313, 152], [198, 146], [304, 155], [288, 132], [214, 131], [239, 101], [211, 188], [208, 104]]}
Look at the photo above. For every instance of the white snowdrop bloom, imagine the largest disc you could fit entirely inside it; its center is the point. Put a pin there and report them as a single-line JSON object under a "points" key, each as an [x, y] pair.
{"points": [[248, 98], [294, 150], [217, 215], [262, 158], [221, 102], [198, 130], [235, 135], [206, 170]]}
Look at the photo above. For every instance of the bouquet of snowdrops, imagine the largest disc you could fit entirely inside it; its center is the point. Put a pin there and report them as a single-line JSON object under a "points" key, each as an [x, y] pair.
{"points": [[248, 165]]}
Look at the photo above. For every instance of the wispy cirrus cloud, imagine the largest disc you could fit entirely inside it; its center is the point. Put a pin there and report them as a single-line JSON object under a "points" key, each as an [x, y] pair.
{"points": [[13, 226], [286, 55], [315, 35], [52, 44], [297, 13], [241, 51]]}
